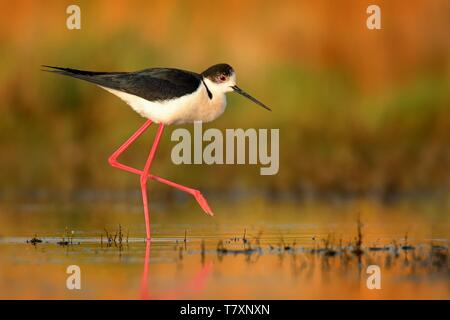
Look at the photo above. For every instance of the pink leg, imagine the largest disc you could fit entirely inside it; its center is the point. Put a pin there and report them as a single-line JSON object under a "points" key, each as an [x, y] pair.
{"points": [[144, 177], [144, 279], [197, 194], [113, 158], [113, 162]]}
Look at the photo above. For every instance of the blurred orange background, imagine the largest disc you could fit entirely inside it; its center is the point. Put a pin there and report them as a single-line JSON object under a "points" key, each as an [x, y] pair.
{"points": [[360, 111]]}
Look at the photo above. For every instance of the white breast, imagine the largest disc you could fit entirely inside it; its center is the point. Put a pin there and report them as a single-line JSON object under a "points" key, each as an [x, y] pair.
{"points": [[196, 106]]}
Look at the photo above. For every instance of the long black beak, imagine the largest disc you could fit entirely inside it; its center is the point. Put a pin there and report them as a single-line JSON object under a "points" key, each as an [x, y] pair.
{"points": [[245, 94]]}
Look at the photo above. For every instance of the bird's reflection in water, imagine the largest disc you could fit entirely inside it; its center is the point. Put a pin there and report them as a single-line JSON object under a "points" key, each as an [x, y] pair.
{"points": [[196, 285]]}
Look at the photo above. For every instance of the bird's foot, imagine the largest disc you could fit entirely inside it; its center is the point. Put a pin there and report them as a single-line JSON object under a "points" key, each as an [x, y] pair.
{"points": [[203, 203]]}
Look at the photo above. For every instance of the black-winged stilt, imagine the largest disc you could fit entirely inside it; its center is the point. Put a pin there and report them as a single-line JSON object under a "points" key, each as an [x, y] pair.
{"points": [[165, 96]]}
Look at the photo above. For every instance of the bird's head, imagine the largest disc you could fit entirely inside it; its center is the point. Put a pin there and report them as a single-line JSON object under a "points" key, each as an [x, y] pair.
{"points": [[221, 79]]}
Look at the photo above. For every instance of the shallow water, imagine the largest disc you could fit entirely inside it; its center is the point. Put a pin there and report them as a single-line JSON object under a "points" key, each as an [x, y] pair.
{"points": [[254, 250]]}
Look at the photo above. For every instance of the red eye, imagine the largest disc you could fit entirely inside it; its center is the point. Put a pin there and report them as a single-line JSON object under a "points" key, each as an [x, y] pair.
{"points": [[223, 78]]}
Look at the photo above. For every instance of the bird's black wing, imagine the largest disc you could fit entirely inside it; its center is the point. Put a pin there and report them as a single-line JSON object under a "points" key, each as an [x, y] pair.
{"points": [[156, 84]]}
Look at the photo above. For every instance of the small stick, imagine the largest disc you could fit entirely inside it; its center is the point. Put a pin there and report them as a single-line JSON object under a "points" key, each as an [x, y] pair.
{"points": [[120, 234]]}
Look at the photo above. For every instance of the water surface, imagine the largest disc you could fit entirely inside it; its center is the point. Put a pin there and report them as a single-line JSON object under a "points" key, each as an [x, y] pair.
{"points": [[250, 250]]}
